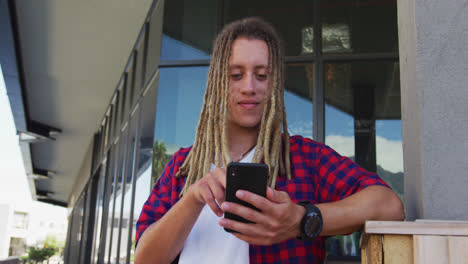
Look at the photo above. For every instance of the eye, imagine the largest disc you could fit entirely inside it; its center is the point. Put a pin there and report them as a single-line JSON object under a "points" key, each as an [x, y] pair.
{"points": [[262, 77], [236, 76]]}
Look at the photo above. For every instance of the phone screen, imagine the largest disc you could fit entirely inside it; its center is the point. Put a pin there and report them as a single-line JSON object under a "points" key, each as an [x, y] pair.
{"points": [[251, 177]]}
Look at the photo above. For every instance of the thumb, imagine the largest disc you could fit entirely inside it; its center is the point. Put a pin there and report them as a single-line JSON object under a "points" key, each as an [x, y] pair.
{"points": [[277, 196]]}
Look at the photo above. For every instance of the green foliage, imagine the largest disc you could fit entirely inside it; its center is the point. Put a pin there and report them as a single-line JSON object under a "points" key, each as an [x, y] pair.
{"points": [[160, 158], [40, 254], [52, 242], [50, 248]]}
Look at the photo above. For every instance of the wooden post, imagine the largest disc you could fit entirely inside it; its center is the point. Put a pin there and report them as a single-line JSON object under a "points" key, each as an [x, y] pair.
{"points": [[375, 249], [398, 249], [415, 242], [457, 249]]}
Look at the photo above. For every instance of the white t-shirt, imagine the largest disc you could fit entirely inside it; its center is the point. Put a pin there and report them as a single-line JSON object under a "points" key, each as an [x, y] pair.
{"points": [[209, 243]]}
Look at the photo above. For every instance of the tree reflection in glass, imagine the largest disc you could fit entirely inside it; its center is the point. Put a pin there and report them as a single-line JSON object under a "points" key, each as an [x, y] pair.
{"points": [[160, 159]]}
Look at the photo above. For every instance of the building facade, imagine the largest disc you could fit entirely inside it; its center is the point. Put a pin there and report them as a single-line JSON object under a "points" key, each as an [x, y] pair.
{"points": [[25, 226], [343, 88]]}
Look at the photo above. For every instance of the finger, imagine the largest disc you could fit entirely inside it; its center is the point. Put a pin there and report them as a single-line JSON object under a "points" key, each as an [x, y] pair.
{"points": [[216, 188], [220, 175], [260, 202], [248, 229], [210, 200], [244, 212], [277, 196]]}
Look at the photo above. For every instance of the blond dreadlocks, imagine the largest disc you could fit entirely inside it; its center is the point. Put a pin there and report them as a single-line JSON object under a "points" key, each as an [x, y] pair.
{"points": [[211, 136]]}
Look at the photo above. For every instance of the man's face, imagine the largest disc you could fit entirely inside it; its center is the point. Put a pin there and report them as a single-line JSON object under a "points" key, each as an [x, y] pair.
{"points": [[248, 82]]}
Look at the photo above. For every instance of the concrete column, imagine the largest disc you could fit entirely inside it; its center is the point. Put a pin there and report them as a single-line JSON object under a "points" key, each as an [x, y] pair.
{"points": [[433, 46]]}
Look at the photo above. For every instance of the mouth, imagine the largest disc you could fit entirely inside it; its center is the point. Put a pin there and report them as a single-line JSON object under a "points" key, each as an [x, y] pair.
{"points": [[248, 104]]}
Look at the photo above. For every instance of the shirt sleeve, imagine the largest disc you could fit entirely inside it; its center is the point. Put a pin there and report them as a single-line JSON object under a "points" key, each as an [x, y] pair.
{"points": [[159, 201], [340, 177]]}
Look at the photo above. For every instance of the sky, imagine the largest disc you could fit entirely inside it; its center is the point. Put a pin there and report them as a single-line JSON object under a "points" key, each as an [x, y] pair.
{"points": [[14, 188], [12, 176]]}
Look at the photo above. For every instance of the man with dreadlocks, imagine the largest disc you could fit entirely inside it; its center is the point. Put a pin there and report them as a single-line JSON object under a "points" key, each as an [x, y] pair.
{"points": [[313, 191]]}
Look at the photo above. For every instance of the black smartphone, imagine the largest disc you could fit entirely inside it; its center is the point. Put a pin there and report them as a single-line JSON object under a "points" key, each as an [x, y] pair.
{"points": [[251, 177]]}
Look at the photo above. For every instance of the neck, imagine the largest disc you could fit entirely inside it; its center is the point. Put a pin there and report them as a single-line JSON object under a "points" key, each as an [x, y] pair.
{"points": [[240, 140]]}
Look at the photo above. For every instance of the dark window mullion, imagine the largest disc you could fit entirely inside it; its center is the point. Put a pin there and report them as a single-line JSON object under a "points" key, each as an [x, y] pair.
{"points": [[183, 63], [299, 59], [360, 57], [319, 101], [144, 57], [96, 146]]}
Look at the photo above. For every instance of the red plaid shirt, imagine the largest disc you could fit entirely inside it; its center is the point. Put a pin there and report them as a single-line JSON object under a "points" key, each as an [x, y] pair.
{"points": [[320, 175]]}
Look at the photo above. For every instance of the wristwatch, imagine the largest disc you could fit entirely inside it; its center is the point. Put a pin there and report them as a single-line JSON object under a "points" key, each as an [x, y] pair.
{"points": [[311, 223]]}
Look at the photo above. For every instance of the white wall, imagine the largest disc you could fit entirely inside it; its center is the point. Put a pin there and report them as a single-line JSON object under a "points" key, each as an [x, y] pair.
{"points": [[4, 238]]}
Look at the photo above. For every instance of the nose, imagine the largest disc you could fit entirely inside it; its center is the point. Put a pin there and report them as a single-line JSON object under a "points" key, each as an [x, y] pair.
{"points": [[248, 84]]}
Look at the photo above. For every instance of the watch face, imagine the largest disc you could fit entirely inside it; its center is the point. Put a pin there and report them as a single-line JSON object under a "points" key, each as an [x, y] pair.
{"points": [[312, 225]]}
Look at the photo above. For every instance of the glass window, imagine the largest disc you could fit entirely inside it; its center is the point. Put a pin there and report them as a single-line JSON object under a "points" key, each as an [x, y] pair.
{"points": [[107, 206], [116, 117], [142, 186], [357, 95], [180, 98], [76, 230], [18, 246], [20, 220], [147, 118], [189, 29], [96, 149], [293, 20], [154, 39], [354, 26], [111, 201], [99, 211], [87, 220], [389, 151], [144, 154], [114, 127], [125, 96], [82, 229], [130, 84], [298, 98], [107, 129], [120, 104], [339, 120], [101, 142], [126, 237], [363, 122], [139, 64], [118, 191]]}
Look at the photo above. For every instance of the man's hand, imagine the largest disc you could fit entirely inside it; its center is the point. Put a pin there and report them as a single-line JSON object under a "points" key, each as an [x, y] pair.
{"points": [[210, 190], [278, 220]]}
